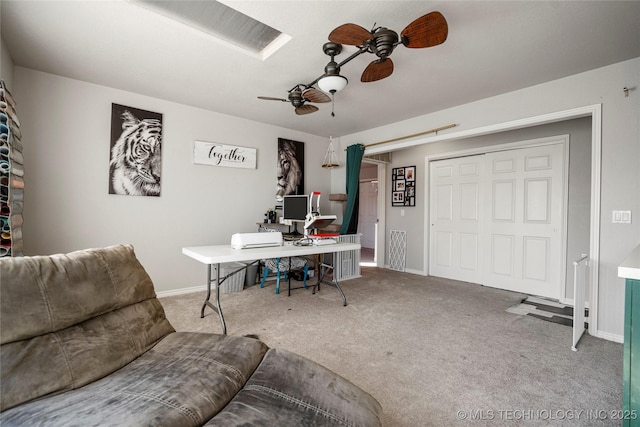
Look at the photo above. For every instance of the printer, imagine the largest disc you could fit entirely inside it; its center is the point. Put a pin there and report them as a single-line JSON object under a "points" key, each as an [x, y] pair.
{"points": [[256, 240]]}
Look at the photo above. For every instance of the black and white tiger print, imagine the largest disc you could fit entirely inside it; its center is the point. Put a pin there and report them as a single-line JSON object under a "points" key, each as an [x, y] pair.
{"points": [[135, 157]]}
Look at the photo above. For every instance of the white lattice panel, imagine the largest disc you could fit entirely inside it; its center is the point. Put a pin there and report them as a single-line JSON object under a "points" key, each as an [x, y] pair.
{"points": [[397, 250]]}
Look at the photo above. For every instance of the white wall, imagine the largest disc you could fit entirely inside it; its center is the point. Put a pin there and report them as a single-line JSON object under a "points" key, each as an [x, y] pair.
{"points": [[620, 155], [66, 131]]}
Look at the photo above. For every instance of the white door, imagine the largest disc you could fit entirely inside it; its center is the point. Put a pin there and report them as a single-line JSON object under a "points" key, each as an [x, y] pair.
{"points": [[368, 213], [496, 219], [455, 201], [524, 237]]}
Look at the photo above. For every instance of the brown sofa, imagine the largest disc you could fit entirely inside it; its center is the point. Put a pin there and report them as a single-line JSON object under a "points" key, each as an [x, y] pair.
{"points": [[85, 341]]}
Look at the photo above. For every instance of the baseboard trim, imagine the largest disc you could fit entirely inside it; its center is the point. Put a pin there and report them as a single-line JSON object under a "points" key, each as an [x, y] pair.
{"points": [[181, 291], [610, 337], [407, 270]]}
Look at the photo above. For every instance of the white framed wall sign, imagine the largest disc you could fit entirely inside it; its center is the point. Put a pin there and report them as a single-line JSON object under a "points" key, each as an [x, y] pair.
{"points": [[230, 156]]}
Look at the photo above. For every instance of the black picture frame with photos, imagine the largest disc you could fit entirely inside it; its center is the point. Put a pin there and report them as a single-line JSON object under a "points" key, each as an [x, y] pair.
{"points": [[403, 186]]}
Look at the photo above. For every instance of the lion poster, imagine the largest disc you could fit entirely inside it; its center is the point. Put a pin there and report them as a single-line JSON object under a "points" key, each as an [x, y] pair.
{"points": [[290, 168], [135, 160]]}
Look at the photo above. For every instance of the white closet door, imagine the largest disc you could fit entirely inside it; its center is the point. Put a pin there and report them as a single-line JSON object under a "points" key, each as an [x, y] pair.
{"points": [[524, 219], [455, 208], [497, 219]]}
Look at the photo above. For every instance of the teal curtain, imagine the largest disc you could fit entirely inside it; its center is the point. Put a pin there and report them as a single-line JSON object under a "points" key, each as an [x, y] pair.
{"points": [[354, 160]]}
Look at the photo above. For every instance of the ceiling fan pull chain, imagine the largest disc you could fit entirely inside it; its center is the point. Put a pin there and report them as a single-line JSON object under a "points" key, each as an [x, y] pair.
{"points": [[333, 95]]}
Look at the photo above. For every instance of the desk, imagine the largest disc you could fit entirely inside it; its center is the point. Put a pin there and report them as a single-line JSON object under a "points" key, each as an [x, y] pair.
{"points": [[216, 255]]}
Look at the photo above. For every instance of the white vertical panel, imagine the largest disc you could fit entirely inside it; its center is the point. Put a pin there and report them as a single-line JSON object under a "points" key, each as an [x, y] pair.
{"points": [[536, 199], [502, 254], [503, 200], [469, 200], [443, 249], [530, 211], [455, 195], [444, 200], [535, 258], [469, 251]]}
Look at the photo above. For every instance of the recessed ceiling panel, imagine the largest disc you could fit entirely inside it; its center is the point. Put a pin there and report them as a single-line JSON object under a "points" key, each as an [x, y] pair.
{"points": [[219, 20]]}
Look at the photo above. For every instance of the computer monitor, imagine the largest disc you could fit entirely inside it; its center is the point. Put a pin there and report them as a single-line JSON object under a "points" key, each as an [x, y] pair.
{"points": [[295, 208]]}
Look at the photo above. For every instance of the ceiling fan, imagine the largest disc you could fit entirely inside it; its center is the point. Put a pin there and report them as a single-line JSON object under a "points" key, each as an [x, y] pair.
{"points": [[298, 97], [427, 31]]}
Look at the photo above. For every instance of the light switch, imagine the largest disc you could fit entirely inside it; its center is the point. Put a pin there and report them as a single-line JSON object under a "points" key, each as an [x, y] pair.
{"points": [[401, 212], [621, 217]]}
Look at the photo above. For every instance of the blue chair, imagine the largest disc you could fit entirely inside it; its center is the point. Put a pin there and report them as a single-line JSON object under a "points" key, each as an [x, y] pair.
{"points": [[284, 265]]}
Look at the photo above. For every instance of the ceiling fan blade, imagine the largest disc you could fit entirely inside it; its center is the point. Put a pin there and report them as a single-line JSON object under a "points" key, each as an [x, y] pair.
{"points": [[377, 70], [270, 98], [306, 109], [426, 31], [314, 95], [350, 34]]}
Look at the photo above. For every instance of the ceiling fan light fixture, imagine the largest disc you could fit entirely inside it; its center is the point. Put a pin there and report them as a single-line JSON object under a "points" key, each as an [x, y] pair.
{"points": [[332, 83]]}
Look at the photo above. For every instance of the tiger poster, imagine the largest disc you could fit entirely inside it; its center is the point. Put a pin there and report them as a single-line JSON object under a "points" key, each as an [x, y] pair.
{"points": [[135, 160], [290, 168]]}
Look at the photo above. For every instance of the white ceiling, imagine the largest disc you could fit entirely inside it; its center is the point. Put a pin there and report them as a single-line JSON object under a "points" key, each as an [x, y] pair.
{"points": [[493, 47]]}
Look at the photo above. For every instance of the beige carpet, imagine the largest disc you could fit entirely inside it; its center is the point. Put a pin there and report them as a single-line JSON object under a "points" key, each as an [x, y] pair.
{"points": [[432, 351]]}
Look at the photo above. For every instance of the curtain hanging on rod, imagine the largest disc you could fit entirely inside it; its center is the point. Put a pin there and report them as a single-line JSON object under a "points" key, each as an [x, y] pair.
{"points": [[354, 160]]}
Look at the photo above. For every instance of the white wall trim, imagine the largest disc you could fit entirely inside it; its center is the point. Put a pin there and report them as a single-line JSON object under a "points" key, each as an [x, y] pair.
{"points": [[594, 237], [381, 234], [609, 336], [181, 291]]}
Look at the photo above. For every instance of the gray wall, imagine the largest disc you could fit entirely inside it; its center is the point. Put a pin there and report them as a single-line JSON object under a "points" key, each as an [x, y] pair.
{"points": [[66, 131]]}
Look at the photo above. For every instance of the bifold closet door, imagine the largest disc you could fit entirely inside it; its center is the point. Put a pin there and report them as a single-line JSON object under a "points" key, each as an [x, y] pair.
{"points": [[524, 227], [455, 200], [497, 219]]}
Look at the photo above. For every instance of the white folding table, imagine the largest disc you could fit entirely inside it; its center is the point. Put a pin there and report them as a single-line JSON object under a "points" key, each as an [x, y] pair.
{"points": [[220, 254]]}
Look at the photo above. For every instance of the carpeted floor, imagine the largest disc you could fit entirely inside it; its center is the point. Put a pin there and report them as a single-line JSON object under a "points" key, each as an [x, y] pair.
{"points": [[434, 352]]}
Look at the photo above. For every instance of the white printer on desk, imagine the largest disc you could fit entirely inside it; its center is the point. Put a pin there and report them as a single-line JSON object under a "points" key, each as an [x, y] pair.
{"points": [[256, 240]]}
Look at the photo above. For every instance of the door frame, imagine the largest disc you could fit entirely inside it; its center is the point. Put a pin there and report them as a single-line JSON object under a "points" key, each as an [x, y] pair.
{"points": [[380, 227], [562, 140], [369, 181]]}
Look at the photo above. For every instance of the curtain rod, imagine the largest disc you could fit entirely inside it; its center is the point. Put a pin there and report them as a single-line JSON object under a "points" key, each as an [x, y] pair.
{"points": [[412, 135]]}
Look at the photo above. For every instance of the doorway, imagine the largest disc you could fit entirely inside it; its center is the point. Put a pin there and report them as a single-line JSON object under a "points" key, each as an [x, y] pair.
{"points": [[371, 215]]}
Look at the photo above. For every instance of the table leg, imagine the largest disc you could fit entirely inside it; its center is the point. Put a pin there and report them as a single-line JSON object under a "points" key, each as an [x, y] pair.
{"points": [[206, 303], [334, 282]]}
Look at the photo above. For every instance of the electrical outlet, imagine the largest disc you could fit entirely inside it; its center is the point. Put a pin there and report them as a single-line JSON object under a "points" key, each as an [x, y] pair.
{"points": [[621, 217]]}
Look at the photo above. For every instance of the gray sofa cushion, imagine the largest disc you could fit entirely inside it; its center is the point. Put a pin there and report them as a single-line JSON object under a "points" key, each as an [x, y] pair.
{"points": [[183, 381], [290, 390], [87, 314]]}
